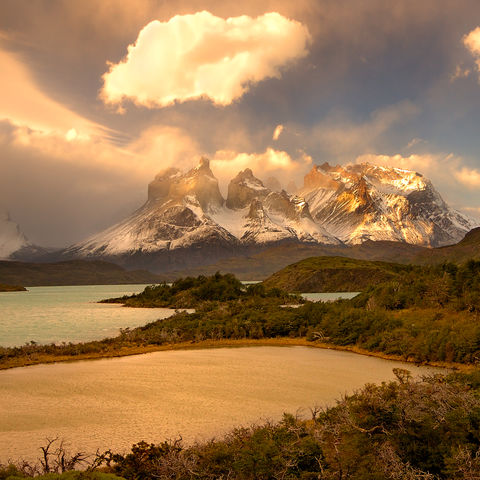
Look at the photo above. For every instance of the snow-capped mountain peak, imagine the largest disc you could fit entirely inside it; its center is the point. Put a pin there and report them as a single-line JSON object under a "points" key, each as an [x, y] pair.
{"points": [[199, 182], [186, 217], [361, 202], [244, 188]]}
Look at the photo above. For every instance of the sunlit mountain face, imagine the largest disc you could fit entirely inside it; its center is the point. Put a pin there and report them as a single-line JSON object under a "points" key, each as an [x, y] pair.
{"points": [[95, 100], [186, 215]]}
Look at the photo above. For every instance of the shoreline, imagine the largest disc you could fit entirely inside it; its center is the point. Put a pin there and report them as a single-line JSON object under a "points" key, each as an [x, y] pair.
{"points": [[224, 343]]}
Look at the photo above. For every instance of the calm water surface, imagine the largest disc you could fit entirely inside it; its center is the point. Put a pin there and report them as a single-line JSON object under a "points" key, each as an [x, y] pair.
{"points": [[198, 393], [328, 297], [57, 314], [72, 314]]}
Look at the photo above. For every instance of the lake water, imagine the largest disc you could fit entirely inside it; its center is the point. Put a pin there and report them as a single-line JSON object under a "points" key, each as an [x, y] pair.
{"points": [[328, 297], [72, 314], [113, 403], [57, 314]]}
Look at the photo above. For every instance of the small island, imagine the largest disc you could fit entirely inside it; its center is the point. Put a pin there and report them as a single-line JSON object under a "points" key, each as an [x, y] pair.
{"points": [[12, 288]]}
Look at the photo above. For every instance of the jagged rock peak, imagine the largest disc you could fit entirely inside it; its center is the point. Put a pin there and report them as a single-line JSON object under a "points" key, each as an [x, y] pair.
{"points": [[203, 168], [244, 188], [318, 177], [291, 207], [199, 182]]}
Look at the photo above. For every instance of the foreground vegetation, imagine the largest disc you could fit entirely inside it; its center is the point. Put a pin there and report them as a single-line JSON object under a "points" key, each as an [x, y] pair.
{"points": [[192, 292], [425, 316], [405, 429]]}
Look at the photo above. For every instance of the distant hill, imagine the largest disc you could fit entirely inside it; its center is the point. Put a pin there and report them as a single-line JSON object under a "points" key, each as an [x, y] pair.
{"points": [[466, 249], [260, 265], [75, 272], [334, 274]]}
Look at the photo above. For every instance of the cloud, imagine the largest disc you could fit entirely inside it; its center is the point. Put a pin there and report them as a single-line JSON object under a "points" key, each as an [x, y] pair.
{"points": [[419, 163], [344, 138], [24, 104], [468, 177], [277, 132], [472, 42], [163, 146], [62, 188], [202, 55], [460, 72], [226, 164]]}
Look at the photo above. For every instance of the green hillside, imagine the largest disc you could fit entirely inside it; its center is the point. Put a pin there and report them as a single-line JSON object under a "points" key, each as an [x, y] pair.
{"points": [[466, 249], [259, 265], [74, 272], [334, 274]]}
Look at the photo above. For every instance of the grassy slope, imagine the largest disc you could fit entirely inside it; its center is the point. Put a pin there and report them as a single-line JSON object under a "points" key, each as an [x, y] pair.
{"points": [[466, 249], [260, 265], [74, 272], [333, 274]]}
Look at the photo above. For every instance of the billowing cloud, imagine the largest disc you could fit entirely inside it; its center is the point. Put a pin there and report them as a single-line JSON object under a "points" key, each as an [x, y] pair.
{"points": [[63, 188], [277, 132], [226, 164], [470, 177], [202, 55], [472, 42]]}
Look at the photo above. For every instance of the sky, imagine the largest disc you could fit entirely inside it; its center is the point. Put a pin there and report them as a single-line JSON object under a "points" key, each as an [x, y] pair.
{"points": [[97, 97]]}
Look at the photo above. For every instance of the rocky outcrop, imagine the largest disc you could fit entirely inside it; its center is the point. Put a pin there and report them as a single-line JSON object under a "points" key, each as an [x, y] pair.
{"points": [[244, 188], [199, 183]]}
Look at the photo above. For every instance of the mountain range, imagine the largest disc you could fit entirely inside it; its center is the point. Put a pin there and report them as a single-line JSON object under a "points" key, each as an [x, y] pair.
{"points": [[186, 222]]}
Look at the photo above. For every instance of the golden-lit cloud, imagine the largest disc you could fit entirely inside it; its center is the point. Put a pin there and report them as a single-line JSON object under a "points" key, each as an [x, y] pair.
{"points": [[226, 164], [472, 42], [460, 72], [160, 147], [469, 177], [202, 55], [277, 132], [419, 163], [24, 104]]}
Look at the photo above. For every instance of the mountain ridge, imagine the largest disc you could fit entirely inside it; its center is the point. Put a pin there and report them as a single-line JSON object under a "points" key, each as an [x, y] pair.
{"points": [[186, 223]]}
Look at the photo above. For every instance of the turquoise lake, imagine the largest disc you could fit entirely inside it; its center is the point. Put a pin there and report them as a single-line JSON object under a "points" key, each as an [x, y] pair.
{"points": [[69, 314], [72, 314]]}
